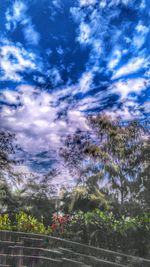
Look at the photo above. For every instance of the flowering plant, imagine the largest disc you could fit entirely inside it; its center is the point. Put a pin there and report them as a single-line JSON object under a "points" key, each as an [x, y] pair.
{"points": [[59, 222]]}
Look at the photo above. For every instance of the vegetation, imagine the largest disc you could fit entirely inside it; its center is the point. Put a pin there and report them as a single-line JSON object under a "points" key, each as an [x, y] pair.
{"points": [[24, 223], [110, 205]]}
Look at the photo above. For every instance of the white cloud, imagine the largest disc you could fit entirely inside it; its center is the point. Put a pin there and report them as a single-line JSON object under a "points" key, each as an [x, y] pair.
{"points": [[147, 106], [57, 3], [87, 2], [85, 81], [114, 59], [31, 36], [147, 74], [117, 2], [84, 33], [7, 96], [103, 3], [134, 65], [60, 50], [140, 35], [110, 3], [128, 111], [54, 7], [93, 29], [19, 8], [14, 60], [141, 28], [76, 120], [39, 79], [15, 15], [55, 76], [124, 88], [35, 121], [18, 15], [97, 48], [143, 4]]}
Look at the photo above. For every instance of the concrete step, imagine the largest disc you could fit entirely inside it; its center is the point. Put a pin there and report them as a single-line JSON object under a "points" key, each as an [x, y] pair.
{"points": [[73, 263], [28, 261], [32, 242], [4, 246], [93, 261], [36, 251], [99, 255]]}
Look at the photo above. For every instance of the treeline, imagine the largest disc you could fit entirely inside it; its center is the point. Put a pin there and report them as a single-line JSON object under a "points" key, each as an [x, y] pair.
{"points": [[110, 204]]}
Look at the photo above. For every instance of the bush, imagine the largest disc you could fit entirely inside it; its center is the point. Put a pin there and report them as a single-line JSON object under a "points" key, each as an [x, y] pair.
{"points": [[24, 223], [130, 235], [5, 223]]}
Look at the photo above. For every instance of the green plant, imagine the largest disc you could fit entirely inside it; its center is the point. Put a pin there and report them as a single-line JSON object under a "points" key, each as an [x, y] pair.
{"points": [[5, 223]]}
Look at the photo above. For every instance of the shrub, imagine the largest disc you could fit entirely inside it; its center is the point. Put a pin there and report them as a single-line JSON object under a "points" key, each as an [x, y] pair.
{"points": [[102, 229], [60, 223], [24, 223], [5, 223]]}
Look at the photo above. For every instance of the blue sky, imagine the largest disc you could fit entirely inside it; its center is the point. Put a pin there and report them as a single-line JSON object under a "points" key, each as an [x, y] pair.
{"points": [[64, 59]]}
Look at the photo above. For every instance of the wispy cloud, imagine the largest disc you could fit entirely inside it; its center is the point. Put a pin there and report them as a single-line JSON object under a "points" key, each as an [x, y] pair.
{"points": [[114, 58], [85, 82], [141, 32], [17, 15], [84, 33], [31, 36], [134, 65], [14, 61], [34, 118], [102, 65], [87, 2], [54, 76], [128, 86]]}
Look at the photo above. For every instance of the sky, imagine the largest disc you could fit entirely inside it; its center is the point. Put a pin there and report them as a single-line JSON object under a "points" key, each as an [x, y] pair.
{"points": [[61, 60]]}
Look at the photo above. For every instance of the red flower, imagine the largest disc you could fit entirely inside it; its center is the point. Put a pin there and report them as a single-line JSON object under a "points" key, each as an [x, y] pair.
{"points": [[54, 226], [59, 222]]}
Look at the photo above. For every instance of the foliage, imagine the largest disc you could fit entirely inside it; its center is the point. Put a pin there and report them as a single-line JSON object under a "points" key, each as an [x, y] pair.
{"points": [[5, 223], [98, 228], [116, 154], [110, 205], [103, 229], [27, 223], [24, 223], [38, 200], [59, 223], [84, 198]]}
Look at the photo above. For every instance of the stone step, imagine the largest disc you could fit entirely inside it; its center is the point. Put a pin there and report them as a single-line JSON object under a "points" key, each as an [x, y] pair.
{"points": [[32, 242], [5, 235], [93, 261], [4, 246], [50, 242], [36, 251], [82, 254], [73, 263], [29, 261], [100, 253], [87, 250]]}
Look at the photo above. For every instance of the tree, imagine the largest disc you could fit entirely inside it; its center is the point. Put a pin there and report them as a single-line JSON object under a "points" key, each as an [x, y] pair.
{"points": [[122, 151], [113, 152], [6, 169], [73, 154], [84, 198], [39, 196], [143, 180]]}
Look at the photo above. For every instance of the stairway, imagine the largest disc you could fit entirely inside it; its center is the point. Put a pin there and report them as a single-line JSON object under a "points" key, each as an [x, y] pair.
{"points": [[30, 250]]}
